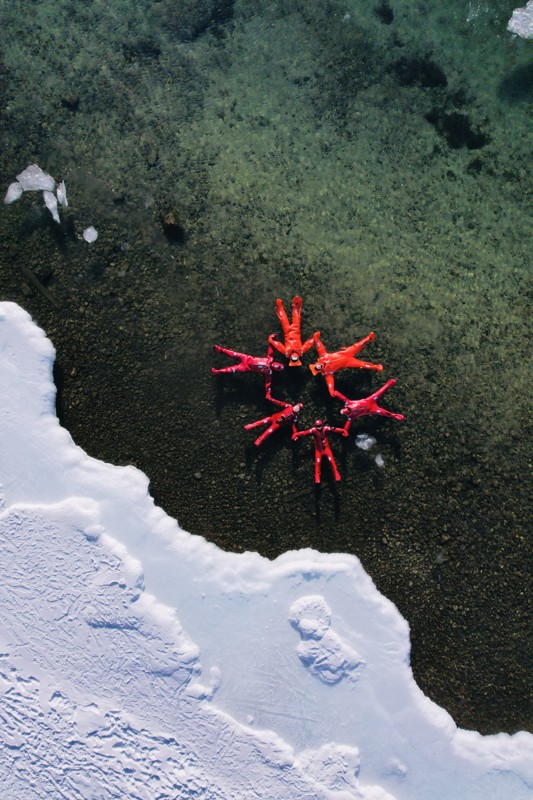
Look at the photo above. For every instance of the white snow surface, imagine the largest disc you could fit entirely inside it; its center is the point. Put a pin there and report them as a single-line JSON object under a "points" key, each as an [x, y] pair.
{"points": [[139, 661]]}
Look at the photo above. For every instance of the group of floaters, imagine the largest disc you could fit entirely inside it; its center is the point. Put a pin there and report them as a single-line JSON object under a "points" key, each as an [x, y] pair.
{"points": [[327, 364]]}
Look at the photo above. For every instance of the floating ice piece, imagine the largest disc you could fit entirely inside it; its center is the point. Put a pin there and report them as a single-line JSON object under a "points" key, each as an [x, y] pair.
{"points": [[62, 194], [13, 193], [50, 202], [521, 21], [364, 441], [90, 234], [33, 178]]}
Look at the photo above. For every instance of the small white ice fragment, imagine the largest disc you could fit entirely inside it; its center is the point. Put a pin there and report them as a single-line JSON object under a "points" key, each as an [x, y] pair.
{"points": [[379, 460], [50, 202], [13, 193], [521, 21], [90, 234], [364, 441], [33, 178], [62, 194]]}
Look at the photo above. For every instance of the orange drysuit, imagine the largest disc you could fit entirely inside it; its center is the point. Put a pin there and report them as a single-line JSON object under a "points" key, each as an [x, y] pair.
{"points": [[328, 363], [293, 348]]}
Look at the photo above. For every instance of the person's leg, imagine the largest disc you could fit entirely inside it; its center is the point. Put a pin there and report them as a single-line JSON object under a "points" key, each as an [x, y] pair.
{"points": [[296, 311], [282, 316], [355, 348], [257, 423], [329, 456], [231, 353], [266, 434], [354, 362], [318, 462]]}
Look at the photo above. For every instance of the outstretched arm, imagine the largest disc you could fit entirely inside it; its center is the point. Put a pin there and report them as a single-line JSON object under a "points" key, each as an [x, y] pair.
{"points": [[340, 396], [330, 383], [257, 423], [281, 403], [310, 342], [273, 342], [321, 350], [382, 412], [296, 433], [342, 431]]}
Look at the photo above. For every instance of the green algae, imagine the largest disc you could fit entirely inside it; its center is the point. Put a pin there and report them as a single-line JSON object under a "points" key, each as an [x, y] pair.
{"points": [[375, 166]]}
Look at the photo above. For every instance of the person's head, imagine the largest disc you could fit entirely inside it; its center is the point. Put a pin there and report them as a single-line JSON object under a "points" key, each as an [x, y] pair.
{"points": [[294, 360], [277, 366], [316, 368], [297, 408], [344, 411], [319, 424]]}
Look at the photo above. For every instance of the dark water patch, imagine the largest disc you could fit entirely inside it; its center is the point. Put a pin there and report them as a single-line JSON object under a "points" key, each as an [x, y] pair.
{"points": [[517, 86], [384, 12], [190, 19], [173, 227], [419, 71], [457, 129], [141, 47]]}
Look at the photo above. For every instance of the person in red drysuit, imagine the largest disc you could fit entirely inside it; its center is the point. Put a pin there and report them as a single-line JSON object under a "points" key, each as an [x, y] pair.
{"points": [[293, 348], [264, 365], [275, 421], [319, 431], [367, 405], [328, 363]]}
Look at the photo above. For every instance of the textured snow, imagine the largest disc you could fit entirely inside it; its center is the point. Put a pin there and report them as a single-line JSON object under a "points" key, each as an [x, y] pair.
{"points": [[139, 661]]}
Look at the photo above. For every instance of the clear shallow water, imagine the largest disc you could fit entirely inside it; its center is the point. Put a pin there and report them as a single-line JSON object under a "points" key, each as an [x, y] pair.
{"points": [[374, 163]]}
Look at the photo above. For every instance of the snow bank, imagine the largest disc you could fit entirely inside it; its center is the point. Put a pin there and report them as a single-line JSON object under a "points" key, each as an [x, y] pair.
{"points": [[137, 660]]}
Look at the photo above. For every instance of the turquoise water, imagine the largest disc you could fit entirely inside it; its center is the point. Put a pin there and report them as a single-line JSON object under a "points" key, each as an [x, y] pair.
{"points": [[373, 158]]}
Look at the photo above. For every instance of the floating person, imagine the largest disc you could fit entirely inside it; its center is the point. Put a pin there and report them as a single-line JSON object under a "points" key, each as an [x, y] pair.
{"points": [[264, 365], [329, 363], [367, 405], [275, 421], [320, 432], [293, 348]]}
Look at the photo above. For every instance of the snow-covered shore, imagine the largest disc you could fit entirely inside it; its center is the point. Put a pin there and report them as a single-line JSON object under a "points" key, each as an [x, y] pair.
{"points": [[137, 660]]}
